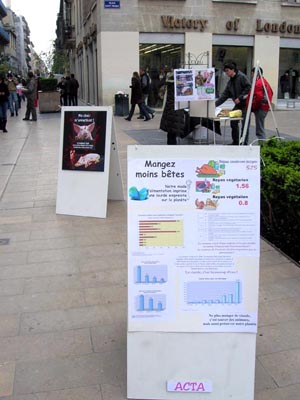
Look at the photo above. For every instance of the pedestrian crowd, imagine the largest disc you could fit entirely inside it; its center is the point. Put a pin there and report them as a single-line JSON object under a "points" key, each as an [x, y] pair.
{"points": [[148, 91], [68, 89], [15, 89]]}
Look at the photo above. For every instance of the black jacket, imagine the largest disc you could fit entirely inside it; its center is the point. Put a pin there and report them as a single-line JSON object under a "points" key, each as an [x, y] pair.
{"points": [[237, 87], [145, 83], [136, 91], [172, 121], [4, 93]]}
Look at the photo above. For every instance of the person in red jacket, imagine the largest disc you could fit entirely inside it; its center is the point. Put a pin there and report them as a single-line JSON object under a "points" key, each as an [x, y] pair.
{"points": [[260, 103]]}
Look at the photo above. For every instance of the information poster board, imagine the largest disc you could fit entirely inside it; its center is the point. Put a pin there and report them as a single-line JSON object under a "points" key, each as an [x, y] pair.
{"points": [[84, 134], [84, 161], [193, 239], [194, 84], [193, 269]]}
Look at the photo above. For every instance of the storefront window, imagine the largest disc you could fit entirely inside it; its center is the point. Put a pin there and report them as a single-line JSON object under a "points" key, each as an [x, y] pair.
{"points": [[158, 59], [291, 3], [242, 56], [289, 74]]}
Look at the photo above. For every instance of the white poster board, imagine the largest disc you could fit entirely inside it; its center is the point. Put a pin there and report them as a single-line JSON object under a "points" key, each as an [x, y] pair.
{"points": [[84, 161], [193, 267], [194, 84]]}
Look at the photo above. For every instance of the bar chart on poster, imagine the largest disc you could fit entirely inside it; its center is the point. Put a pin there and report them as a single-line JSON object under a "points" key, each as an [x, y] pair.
{"points": [[150, 302], [212, 292], [160, 232], [150, 274]]}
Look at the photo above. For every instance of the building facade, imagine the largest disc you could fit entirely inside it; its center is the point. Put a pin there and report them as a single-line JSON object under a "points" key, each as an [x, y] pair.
{"points": [[15, 45], [107, 40], [4, 37]]}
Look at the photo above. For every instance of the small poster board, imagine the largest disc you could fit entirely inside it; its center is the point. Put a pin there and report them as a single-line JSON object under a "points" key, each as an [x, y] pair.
{"points": [[194, 84], [84, 161]]}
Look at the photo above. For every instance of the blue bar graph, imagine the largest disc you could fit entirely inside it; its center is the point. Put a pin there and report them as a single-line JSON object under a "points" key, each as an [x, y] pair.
{"points": [[213, 292], [150, 302], [155, 274]]}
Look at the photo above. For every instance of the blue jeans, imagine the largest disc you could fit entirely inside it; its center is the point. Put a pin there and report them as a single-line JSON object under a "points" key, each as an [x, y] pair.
{"points": [[13, 102], [3, 110]]}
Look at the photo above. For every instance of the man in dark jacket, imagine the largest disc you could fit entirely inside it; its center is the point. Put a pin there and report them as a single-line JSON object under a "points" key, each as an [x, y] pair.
{"points": [[30, 93], [236, 89], [74, 85], [146, 89]]}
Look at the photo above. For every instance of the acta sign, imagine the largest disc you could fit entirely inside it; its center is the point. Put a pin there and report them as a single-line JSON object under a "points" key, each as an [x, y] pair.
{"points": [[183, 23], [189, 386]]}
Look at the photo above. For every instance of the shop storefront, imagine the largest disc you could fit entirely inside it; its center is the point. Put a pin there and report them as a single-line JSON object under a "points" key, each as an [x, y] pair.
{"points": [[160, 36], [289, 69]]}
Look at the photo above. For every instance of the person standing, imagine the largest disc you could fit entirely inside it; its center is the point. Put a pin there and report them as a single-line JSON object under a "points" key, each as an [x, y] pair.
{"points": [[146, 88], [30, 93], [74, 86], [172, 121], [19, 92], [61, 88], [4, 94], [285, 85], [67, 91], [13, 96], [237, 89], [137, 98], [260, 104]]}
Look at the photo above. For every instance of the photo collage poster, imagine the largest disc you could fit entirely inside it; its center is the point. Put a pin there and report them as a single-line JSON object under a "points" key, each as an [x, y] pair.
{"points": [[84, 140], [194, 84]]}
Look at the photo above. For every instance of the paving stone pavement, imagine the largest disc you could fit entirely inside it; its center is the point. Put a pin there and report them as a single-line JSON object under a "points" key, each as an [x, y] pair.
{"points": [[63, 280]]}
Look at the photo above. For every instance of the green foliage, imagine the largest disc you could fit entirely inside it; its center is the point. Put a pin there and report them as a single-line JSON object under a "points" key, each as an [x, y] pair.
{"points": [[4, 69], [60, 62], [48, 84], [55, 60], [280, 195]]}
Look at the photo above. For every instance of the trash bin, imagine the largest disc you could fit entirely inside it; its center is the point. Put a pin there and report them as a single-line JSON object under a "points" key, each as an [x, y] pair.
{"points": [[121, 104]]}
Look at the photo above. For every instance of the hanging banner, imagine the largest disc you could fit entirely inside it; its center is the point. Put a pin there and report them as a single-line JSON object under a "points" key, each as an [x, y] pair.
{"points": [[194, 84], [193, 238]]}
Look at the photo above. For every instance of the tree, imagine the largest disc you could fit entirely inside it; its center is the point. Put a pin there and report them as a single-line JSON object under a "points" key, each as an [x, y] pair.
{"points": [[55, 60], [60, 62]]}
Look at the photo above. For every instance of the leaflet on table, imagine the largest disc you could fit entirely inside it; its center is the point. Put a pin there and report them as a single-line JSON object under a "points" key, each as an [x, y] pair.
{"points": [[194, 84], [193, 244]]}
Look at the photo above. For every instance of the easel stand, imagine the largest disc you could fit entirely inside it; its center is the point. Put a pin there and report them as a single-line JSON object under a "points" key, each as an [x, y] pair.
{"points": [[192, 61], [248, 114]]}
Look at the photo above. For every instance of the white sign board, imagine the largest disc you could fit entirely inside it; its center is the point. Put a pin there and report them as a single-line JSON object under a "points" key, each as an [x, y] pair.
{"points": [[193, 269], [194, 84], [84, 161]]}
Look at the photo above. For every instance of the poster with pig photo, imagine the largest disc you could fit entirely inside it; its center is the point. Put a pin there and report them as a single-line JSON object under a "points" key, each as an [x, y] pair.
{"points": [[84, 140]]}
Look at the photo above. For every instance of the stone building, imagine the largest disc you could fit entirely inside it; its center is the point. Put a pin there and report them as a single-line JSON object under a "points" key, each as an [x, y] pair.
{"points": [[4, 37], [107, 40]]}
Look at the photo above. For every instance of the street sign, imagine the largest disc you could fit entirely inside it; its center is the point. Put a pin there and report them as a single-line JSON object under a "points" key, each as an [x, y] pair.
{"points": [[111, 3]]}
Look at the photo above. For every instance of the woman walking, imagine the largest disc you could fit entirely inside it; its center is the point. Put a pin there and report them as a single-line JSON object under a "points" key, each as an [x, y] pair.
{"points": [[137, 98], [4, 94]]}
